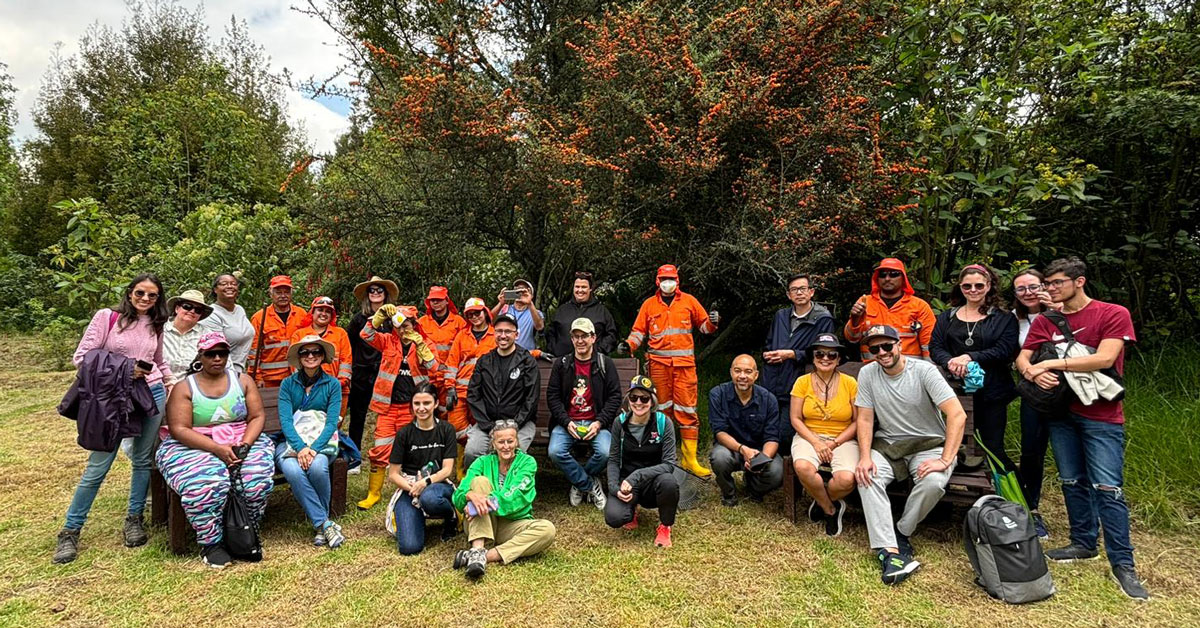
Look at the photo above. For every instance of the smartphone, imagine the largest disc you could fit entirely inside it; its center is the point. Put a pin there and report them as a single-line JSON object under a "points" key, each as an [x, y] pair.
{"points": [[144, 365], [512, 295]]}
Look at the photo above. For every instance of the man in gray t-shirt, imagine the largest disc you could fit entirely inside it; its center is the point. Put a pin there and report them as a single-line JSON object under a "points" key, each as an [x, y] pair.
{"points": [[901, 402]]}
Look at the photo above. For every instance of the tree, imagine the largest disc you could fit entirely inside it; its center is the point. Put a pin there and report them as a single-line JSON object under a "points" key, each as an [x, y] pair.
{"points": [[8, 156]]}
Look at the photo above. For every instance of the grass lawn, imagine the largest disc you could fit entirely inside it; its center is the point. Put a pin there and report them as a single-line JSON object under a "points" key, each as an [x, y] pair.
{"points": [[743, 566]]}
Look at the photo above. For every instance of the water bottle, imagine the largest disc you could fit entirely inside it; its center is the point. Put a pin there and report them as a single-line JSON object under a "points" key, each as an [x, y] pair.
{"points": [[422, 473], [493, 505]]}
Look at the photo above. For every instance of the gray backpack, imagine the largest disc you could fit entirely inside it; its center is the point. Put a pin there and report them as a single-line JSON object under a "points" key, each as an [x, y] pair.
{"points": [[1005, 551]]}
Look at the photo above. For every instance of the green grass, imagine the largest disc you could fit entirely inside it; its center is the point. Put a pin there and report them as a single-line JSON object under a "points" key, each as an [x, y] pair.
{"points": [[743, 566]]}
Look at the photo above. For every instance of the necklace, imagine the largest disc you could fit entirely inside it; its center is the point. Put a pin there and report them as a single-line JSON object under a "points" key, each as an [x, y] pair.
{"points": [[825, 383], [970, 333]]}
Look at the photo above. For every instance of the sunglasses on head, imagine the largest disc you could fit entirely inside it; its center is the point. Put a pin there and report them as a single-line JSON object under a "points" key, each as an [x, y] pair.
{"points": [[974, 287], [504, 423], [142, 294], [825, 355], [216, 353], [639, 398], [883, 347], [190, 307], [890, 274], [583, 275]]}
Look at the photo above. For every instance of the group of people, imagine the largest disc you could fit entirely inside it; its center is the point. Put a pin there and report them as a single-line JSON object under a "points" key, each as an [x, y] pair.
{"points": [[456, 396]]}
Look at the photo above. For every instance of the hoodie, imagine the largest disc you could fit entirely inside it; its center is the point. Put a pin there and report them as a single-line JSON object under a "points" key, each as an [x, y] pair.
{"points": [[440, 336], [911, 316], [558, 330], [343, 362]]}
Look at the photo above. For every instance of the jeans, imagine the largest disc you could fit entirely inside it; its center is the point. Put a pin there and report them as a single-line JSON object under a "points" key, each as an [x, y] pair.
{"points": [[1091, 463], [410, 521], [561, 444], [99, 463], [311, 488], [1035, 438]]}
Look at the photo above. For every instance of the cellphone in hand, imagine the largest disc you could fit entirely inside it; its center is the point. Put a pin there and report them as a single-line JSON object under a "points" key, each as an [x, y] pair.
{"points": [[144, 365], [512, 295]]}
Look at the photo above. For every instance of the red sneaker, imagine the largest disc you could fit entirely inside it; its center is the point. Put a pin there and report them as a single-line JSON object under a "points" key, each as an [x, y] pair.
{"points": [[663, 538], [632, 525]]}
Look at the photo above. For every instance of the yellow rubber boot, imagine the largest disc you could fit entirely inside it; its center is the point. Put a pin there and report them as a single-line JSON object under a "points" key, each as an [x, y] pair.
{"points": [[459, 471], [689, 462], [374, 487]]}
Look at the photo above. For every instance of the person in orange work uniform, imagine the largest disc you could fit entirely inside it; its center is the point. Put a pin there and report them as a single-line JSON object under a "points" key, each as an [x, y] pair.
{"points": [[892, 302], [322, 317], [440, 325], [665, 323], [471, 343], [274, 327]]}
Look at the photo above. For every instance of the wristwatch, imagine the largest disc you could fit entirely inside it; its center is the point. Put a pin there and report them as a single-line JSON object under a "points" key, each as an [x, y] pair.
{"points": [[428, 480]]}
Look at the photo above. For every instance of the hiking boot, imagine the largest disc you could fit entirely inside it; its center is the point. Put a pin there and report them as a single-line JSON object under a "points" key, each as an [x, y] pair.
{"points": [[575, 497], [67, 547], [333, 535], [477, 563], [215, 556], [633, 524], [1127, 577], [730, 501], [904, 545], [450, 527], [1040, 526], [833, 523], [319, 538], [134, 531], [662, 538], [815, 514], [896, 568], [1072, 553], [596, 492]]}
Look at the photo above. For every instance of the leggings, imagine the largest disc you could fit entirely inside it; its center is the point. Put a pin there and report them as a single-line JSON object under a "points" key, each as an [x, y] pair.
{"points": [[202, 481]]}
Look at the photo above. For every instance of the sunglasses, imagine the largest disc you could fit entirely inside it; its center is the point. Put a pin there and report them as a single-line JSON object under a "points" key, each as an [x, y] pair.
{"points": [[583, 275], [216, 353], [890, 274], [639, 398], [883, 347], [504, 423], [308, 353], [825, 355], [475, 313], [973, 287], [376, 290], [190, 307], [142, 294]]}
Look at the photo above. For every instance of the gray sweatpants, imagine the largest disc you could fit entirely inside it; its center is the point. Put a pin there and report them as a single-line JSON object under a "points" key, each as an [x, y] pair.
{"points": [[726, 462], [925, 495], [479, 442]]}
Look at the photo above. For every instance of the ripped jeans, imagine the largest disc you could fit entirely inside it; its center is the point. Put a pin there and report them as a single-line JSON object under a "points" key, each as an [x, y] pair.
{"points": [[1091, 462]]}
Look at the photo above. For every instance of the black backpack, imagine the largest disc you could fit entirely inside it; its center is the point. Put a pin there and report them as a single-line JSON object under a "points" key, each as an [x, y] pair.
{"points": [[241, 530], [1005, 551]]}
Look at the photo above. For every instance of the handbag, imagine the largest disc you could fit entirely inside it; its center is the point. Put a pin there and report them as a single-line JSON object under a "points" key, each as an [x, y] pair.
{"points": [[309, 424], [241, 530]]}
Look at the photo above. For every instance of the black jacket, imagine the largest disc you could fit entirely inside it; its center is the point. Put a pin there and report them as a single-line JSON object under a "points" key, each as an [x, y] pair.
{"points": [[636, 461], [558, 332], [995, 347], [512, 395], [105, 402], [605, 386]]}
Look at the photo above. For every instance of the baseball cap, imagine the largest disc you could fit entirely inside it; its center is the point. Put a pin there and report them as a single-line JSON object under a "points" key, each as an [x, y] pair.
{"points": [[667, 270], [584, 325], [211, 339], [881, 331], [438, 292], [505, 317], [642, 382], [281, 280]]}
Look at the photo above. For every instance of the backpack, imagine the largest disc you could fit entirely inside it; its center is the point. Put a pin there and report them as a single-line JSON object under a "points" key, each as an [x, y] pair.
{"points": [[1005, 551], [241, 531]]}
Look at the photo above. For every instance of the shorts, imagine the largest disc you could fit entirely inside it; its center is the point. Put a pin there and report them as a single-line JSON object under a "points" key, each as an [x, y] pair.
{"points": [[845, 456]]}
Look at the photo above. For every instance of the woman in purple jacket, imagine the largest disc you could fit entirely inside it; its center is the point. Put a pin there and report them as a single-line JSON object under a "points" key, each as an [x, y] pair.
{"points": [[134, 329]]}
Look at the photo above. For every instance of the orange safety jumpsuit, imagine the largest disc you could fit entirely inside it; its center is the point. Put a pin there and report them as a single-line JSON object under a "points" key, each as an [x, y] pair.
{"points": [[440, 336], [910, 316], [667, 330], [460, 365], [340, 368], [271, 367], [396, 361]]}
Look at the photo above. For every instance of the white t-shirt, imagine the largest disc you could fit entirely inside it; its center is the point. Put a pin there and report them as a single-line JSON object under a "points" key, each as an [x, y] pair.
{"points": [[237, 329]]}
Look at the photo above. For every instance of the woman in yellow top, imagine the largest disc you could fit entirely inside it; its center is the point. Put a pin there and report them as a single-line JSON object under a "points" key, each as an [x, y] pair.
{"points": [[823, 415]]}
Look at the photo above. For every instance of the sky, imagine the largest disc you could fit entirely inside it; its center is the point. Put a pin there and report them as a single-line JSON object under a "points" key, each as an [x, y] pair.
{"points": [[31, 29]]}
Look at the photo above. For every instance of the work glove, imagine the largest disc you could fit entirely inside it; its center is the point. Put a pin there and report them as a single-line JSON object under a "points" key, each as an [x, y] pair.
{"points": [[451, 399], [386, 311], [622, 348], [423, 350], [714, 317]]}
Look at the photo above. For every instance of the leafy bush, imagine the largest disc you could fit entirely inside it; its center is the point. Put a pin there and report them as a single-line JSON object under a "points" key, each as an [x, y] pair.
{"points": [[58, 339]]}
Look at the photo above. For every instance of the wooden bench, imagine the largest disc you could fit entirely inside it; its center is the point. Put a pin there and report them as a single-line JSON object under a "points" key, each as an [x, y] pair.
{"points": [[166, 508], [965, 486], [626, 369]]}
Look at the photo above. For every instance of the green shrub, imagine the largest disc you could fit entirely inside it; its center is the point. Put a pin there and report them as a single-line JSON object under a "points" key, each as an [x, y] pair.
{"points": [[57, 341]]}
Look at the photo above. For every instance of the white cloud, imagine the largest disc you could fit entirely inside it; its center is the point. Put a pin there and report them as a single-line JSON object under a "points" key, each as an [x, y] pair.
{"points": [[29, 32]]}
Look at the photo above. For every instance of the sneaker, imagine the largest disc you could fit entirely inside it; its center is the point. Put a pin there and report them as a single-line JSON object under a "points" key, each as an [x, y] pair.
{"points": [[477, 563], [319, 539], [134, 531], [575, 497], [355, 470], [596, 492], [815, 514], [633, 524], [833, 523], [1072, 553], [461, 557], [333, 535], [215, 556], [1127, 577], [904, 545], [67, 547], [450, 527], [1039, 526], [729, 502], [662, 537], [896, 568]]}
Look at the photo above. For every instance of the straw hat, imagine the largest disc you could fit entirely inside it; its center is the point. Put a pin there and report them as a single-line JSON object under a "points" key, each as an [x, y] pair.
{"points": [[194, 297], [393, 291], [311, 339]]}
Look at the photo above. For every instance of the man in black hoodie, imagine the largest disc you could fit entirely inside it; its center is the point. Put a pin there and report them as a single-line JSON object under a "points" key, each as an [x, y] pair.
{"points": [[504, 386], [582, 305]]}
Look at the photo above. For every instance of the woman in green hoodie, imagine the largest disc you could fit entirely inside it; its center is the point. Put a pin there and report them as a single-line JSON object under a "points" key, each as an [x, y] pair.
{"points": [[496, 496]]}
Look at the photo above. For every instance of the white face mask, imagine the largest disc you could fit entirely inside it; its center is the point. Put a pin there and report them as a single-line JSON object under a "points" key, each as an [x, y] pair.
{"points": [[668, 286]]}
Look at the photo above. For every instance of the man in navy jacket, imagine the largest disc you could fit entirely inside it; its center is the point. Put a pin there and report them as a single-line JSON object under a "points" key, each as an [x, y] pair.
{"points": [[792, 330]]}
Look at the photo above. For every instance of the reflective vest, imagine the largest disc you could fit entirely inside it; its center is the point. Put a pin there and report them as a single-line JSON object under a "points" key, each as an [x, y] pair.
{"points": [[272, 364], [342, 362], [440, 337], [464, 353], [392, 353], [667, 329]]}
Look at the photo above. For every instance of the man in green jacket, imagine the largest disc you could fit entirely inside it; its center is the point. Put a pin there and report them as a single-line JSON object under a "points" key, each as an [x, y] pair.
{"points": [[497, 496]]}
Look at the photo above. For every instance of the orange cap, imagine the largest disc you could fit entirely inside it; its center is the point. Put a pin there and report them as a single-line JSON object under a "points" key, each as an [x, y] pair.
{"points": [[667, 270], [281, 280]]}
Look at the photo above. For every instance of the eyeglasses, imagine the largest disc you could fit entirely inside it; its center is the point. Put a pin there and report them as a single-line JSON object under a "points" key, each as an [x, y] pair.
{"points": [[890, 274], [142, 294], [1057, 283], [580, 337], [1029, 289], [800, 290], [216, 353], [506, 332], [639, 398], [189, 307], [376, 290], [308, 353], [827, 355], [883, 347], [973, 287]]}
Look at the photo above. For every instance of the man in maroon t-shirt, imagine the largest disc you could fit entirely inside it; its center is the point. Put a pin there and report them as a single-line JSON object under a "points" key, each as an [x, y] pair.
{"points": [[1088, 440]]}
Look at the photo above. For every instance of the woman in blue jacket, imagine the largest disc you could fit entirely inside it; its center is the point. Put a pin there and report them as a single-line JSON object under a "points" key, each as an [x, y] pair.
{"points": [[310, 401]]}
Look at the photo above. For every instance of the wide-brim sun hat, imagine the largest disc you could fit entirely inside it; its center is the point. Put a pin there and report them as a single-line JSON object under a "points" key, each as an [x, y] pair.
{"points": [[194, 297], [393, 291], [293, 356], [826, 341]]}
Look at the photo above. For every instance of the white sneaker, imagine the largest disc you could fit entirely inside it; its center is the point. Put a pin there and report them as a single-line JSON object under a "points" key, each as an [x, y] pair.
{"points": [[575, 497], [354, 471], [597, 494]]}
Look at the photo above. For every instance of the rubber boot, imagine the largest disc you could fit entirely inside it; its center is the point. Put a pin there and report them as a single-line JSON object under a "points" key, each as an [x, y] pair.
{"points": [[689, 462], [374, 486], [458, 464]]}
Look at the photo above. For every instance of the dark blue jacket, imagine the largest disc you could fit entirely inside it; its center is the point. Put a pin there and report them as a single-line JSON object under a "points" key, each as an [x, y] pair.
{"points": [[106, 402], [753, 424], [779, 378]]}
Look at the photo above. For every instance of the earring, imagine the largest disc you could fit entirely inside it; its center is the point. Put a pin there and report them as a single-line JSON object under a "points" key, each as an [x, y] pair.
{"points": [[196, 365]]}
